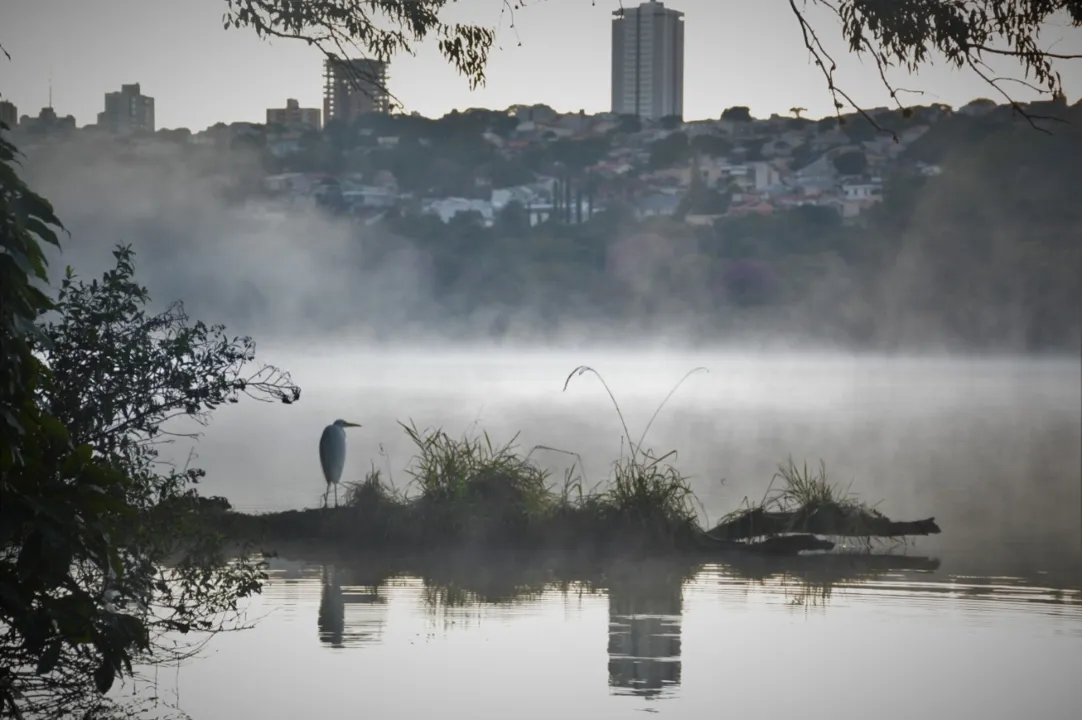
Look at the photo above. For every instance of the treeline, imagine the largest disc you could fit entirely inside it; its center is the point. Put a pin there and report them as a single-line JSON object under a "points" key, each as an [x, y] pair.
{"points": [[984, 255]]}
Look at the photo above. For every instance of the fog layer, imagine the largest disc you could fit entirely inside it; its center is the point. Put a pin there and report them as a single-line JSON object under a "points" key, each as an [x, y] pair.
{"points": [[991, 448]]}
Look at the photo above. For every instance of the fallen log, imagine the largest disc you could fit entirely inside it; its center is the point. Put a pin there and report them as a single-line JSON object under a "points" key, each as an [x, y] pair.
{"points": [[827, 519]]}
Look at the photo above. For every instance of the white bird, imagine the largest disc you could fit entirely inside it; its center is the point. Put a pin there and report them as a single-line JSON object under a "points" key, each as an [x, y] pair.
{"points": [[332, 455]]}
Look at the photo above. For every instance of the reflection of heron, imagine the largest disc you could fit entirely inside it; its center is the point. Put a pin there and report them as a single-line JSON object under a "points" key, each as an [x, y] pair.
{"points": [[332, 608], [332, 455], [362, 627]]}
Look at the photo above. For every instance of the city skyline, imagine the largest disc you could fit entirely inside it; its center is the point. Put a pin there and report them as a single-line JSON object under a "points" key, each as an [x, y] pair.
{"points": [[742, 54]]}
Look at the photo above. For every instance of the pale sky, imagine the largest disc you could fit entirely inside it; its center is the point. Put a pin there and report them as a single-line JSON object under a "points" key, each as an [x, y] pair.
{"points": [[737, 52]]}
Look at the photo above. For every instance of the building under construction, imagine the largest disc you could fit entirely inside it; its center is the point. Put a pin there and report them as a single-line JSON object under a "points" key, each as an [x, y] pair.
{"points": [[354, 87]]}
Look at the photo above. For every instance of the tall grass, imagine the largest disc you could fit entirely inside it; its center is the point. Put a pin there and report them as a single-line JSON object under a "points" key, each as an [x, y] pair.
{"points": [[800, 499], [473, 489]]}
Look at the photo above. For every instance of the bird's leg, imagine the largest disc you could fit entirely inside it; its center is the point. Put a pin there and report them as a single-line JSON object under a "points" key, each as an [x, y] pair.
{"points": [[325, 494], [336, 494]]}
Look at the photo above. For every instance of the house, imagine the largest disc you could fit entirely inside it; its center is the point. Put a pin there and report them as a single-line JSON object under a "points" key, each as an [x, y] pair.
{"points": [[523, 194], [287, 182], [447, 208], [758, 207], [816, 172], [758, 175], [657, 205], [702, 220], [370, 196], [575, 122], [861, 190]]}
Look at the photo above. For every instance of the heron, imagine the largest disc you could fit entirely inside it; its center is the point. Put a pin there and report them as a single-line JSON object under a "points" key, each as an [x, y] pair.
{"points": [[332, 455]]}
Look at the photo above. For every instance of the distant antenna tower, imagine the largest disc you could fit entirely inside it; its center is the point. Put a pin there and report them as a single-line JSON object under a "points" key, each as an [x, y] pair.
{"points": [[50, 86]]}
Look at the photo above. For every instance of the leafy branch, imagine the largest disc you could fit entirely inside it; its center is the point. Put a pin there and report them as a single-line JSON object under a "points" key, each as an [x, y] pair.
{"points": [[376, 29], [905, 34]]}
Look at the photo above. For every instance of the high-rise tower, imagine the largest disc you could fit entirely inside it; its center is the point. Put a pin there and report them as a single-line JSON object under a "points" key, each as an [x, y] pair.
{"points": [[648, 61]]}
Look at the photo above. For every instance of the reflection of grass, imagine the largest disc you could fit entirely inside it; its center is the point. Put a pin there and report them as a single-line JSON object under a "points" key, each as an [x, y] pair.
{"points": [[810, 580], [472, 492], [456, 579]]}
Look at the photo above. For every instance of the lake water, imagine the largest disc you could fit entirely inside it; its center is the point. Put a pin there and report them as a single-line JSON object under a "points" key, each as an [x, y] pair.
{"points": [[988, 625], [890, 644]]}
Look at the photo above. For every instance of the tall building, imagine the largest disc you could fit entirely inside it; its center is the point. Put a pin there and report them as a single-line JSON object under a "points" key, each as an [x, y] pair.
{"points": [[47, 121], [293, 115], [127, 111], [354, 87], [9, 114], [648, 61]]}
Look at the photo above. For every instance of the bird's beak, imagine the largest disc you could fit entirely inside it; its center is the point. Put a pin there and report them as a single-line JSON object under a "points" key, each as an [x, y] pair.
{"points": [[349, 424]]}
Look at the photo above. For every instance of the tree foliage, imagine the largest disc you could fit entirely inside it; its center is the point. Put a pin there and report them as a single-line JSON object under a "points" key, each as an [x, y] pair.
{"points": [[740, 113], [51, 490], [852, 162], [907, 34], [670, 150], [119, 381], [376, 29], [104, 548]]}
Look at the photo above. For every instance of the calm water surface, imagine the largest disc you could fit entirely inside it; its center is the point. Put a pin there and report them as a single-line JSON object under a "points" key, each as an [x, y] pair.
{"points": [[890, 644]]}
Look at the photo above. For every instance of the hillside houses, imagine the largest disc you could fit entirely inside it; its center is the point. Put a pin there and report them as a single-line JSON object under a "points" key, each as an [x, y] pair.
{"points": [[760, 166], [764, 166]]}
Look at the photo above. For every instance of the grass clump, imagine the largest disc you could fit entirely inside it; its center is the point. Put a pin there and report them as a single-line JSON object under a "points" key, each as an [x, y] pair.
{"points": [[472, 491], [804, 502]]}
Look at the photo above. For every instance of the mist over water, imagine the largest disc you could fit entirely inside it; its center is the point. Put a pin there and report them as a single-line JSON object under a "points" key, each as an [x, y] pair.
{"points": [[291, 273], [989, 447]]}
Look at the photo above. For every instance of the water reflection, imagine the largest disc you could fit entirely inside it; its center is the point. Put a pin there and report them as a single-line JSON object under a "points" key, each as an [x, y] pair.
{"points": [[367, 615], [559, 638], [644, 632], [645, 600], [810, 580]]}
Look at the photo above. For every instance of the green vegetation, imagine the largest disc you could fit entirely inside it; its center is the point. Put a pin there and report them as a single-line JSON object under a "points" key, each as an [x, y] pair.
{"points": [[104, 551], [471, 493], [806, 502]]}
